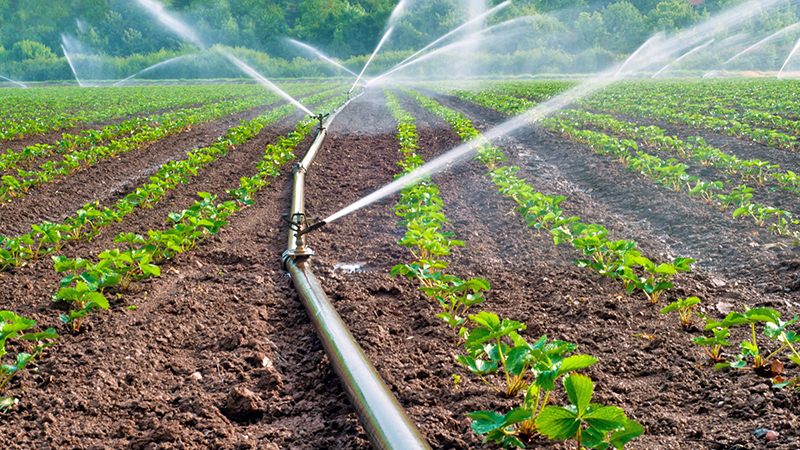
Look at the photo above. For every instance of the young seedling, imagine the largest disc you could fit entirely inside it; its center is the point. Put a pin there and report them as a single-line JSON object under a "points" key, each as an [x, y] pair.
{"points": [[684, 308], [607, 426], [774, 328], [12, 326], [543, 362], [499, 428], [705, 189], [659, 277], [713, 346], [85, 299]]}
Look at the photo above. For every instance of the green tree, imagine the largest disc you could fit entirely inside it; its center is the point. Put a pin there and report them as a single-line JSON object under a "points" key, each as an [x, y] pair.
{"points": [[31, 50], [590, 29], [671, 15], [626, 27]]}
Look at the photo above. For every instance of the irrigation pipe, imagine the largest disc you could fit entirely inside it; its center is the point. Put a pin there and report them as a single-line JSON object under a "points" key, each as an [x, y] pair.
{"points": [[386, 424]]}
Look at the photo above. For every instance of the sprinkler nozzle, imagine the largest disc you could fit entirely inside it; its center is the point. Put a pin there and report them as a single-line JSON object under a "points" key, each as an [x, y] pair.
{"points": [[301, 225], [321, 117]]}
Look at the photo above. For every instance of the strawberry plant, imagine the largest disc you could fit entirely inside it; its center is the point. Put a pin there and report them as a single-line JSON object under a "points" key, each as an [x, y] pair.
{"points": [[83, 299], [705, 189], [774, 328], [713, 345], [496, 344], [684, 309], [658, 278], [607, 426], [12, 326]]}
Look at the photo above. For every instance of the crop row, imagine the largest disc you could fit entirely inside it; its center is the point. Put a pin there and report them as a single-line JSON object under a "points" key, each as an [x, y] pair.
{"points": [[79, 158], [89, 220], [85, 282], [40, 110], [670, 172], [530, 90], [493, 345], [660, 108], [665, 101], [773, 327], [673, 174], [695, 148], [87, 138], [740, 96], [616, 259]]}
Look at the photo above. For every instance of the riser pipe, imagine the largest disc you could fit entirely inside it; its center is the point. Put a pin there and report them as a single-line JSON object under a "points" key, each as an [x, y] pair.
{"points": [[387, 425]]}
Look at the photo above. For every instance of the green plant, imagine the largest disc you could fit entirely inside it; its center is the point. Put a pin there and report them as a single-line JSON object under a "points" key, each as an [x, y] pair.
{"points": [[705, 189], [713, 345], [774, 328], [658, 278], [84, 299], [454, 295], [607, 425], [12, 326], [130, 265], [738, 197], [489, 350], [7, 371], [684, 308]]}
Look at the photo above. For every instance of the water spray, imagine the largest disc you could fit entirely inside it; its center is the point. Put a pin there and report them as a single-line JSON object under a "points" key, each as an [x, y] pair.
{"points": [[152, 67], [380, 44], [701, 46], [471, 39], [15, 82], [320, 55], [768, 38], [260, 78], [450, 33], [655, 47], [70, 64], [173, 23], [794, 49]]}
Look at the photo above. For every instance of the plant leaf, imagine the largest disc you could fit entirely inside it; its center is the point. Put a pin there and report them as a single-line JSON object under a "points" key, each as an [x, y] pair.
{"points": [[556, 422], [632, 429], [579, 390]]}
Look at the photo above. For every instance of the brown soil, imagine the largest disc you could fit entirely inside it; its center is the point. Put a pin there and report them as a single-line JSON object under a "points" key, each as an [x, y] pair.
{"points": [[220, 354]]}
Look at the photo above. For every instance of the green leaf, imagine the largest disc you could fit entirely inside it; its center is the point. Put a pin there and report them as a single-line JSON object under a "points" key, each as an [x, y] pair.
{"points": [[477, 366], [97, 298], [605, 418], [576, 362], [556, 422], [517, 360], [594, 439], [674, 306], [485, 421], [579, 390], [487, 320], [632, 429]]}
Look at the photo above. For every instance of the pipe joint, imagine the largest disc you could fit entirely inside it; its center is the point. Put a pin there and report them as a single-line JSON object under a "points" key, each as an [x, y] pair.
{"points": [[298, 168], [301, 225]]}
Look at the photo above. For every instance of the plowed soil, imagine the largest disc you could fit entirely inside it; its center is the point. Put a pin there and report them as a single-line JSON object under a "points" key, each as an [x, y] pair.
{"points": [[219, 352]]}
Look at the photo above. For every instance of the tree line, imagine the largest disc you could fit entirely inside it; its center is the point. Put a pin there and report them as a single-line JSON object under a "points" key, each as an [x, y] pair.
{"points": [[31, 30]]}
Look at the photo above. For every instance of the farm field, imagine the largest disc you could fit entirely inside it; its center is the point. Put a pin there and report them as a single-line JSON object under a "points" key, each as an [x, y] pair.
{"points": [[192, 335]]}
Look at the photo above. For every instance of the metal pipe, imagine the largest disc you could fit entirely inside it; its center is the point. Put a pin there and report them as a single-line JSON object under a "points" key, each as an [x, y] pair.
{"points": [[299, 171], [384, 420], [382, 417]]}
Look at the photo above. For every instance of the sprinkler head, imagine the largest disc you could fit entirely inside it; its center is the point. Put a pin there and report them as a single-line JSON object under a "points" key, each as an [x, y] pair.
{"points": [[321, 117], [301, 225]]}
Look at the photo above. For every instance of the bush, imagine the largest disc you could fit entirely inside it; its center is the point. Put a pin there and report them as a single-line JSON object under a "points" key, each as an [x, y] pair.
{"points": [[31, 50]]}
